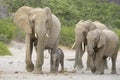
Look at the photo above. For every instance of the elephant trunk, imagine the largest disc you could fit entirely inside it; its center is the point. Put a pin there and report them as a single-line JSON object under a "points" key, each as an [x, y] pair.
{"points": [[92, 55], [92, 62]]}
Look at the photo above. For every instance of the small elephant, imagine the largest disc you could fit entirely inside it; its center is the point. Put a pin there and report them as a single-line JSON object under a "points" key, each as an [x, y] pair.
{"points": [[102, 44], [57, 57]]}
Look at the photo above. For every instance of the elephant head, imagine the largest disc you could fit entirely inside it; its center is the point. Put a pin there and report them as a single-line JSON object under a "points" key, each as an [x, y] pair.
{"points": [[96, 40], [28, 18], [81, 30]]}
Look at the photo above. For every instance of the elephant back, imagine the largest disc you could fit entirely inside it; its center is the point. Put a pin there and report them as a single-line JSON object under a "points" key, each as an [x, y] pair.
{"points": [[100, 25]]}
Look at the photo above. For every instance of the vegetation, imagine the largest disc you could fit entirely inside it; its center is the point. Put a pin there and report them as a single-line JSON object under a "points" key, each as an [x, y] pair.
{"points": [[69, 12], [117, 32], [67, 36], [4, 50], [7, 30]]}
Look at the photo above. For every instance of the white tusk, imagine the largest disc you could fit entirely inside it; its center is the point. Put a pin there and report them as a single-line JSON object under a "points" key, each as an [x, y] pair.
{"points": [[35, 35], [82, 46], [47, 35], [73, 45]]}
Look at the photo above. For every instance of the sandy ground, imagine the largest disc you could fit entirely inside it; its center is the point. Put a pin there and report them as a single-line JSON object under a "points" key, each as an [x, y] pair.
{"points": [[13, 67]]}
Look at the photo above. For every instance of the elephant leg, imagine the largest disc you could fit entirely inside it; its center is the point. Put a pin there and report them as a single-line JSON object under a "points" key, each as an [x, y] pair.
{"points": [[56, 67], [114, 64], [62, 66], [51, 65], [88, 62], [28, 60], [99, 64], [105, 63]]}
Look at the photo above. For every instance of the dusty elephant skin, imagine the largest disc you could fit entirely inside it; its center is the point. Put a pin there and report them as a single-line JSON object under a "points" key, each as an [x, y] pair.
{"points": [[45, 25], [57, 57], [81, 30], [102, 44]]}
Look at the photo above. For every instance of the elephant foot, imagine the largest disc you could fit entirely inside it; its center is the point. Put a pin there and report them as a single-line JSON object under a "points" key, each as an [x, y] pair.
{"points": [[61, 71], [79, 67], [30, 68], [37, 71], [53, 72], [105, 67], [88, 68], [99, 73], [113, 72], [93, 70]]}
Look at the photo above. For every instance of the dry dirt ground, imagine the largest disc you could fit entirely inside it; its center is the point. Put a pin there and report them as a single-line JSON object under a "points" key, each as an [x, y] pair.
{"points": [[13, 67]]}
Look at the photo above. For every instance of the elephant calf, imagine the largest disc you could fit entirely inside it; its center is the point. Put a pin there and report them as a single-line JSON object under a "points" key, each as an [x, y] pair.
{"points": [[57, 57]]}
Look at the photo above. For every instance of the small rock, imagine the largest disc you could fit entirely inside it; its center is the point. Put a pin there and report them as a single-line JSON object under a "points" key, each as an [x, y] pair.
{"points": [[10, 62], [16, 72]]}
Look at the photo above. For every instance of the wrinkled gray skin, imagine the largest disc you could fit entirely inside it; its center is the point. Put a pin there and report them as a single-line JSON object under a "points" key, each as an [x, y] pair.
{"points": [[57, 57], [81, 30], [102, 44], [45, 25]]}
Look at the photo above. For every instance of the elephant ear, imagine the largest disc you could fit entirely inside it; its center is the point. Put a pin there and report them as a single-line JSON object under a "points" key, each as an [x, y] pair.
{"points": [[102, 40], [21, 19], [49, 14]]}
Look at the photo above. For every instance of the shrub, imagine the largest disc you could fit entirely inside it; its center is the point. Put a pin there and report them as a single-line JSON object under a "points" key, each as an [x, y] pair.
{"points": [[71, 11], [7, 30], [67, 36], [19, 35], [4, 50], [117, 31]]}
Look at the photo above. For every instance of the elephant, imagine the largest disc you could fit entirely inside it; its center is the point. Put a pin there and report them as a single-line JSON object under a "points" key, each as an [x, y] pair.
{"points": [[57, 57], [102, 44], [100, 25], [42, 29], [81, 30]]}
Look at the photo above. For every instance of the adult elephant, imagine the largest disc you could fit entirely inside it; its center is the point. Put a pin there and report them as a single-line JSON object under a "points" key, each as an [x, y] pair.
{"points": [[102, 44], [81, 30], [42, 23]]}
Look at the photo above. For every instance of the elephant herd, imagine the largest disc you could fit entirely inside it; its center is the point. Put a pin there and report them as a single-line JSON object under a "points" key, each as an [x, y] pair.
{"points": [[42, 30]]}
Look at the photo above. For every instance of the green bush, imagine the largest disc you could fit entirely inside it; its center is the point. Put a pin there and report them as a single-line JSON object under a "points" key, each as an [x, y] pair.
{"points": [[71, 11], [7, 30], [4, 50], [117, 31], [19, 35], [67, 36]]}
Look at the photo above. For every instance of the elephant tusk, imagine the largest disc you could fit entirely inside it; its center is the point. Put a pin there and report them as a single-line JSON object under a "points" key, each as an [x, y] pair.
{"points": [[83, 48], [47, 35], [73, 45], [35, 35]]}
